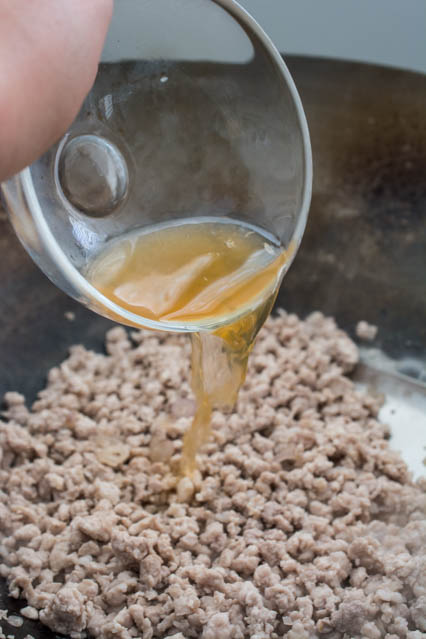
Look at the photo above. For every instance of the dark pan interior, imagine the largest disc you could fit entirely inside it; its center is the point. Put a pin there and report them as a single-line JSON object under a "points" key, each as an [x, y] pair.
{"points": [[363, 255]]}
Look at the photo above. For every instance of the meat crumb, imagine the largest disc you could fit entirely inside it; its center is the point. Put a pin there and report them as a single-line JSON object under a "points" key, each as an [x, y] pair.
{"points": [[15, 621], [365, 331], [70, 316], [301, 521], [29, 612]]}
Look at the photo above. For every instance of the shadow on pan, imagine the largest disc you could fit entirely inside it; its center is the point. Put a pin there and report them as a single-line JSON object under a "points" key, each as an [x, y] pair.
{"points": [[363, 255]]}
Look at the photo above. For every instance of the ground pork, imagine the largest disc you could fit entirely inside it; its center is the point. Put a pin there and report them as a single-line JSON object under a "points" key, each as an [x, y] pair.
{"points": [[301, 521], [366, 331]]}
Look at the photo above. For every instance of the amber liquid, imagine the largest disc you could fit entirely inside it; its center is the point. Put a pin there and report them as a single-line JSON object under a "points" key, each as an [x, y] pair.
{"points": [[219, 277]]}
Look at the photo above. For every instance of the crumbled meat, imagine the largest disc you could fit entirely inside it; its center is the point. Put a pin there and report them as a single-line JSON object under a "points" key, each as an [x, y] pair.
{"points": [[15, 621], [67, 611], [366, 331], [300, 523], [29, 612]]}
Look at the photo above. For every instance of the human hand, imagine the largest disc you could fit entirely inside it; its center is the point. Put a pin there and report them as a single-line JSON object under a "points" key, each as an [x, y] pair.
{"points": [[49, 54]]}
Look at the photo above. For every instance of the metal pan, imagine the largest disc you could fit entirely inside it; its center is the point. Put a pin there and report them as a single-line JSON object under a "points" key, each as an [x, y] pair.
{"points": [[363, 255]]}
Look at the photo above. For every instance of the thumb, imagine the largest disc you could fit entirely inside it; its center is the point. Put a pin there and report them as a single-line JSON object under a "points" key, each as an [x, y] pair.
{"points": [[49, 54]]}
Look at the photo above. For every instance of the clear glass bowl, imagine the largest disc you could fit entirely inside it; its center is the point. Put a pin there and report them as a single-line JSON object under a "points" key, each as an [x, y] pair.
{"points": [[193, 114]]}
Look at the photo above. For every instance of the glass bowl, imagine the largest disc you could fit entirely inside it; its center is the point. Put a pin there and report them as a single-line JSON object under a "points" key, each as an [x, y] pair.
{"points": [[193, 114]]}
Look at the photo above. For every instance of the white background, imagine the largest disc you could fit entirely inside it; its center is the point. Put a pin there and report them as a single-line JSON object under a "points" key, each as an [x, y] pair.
{"points": [[391, 32]]}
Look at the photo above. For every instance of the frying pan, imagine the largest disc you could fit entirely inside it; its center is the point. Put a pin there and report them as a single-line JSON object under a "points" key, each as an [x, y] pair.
{"points": [[363, 255]]}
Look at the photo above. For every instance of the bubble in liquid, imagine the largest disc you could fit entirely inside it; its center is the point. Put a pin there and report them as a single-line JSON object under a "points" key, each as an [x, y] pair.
{"points": [[93, 175]]}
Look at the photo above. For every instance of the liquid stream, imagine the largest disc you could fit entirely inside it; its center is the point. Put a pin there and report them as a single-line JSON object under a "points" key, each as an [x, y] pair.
{"points": [[210, 273]]}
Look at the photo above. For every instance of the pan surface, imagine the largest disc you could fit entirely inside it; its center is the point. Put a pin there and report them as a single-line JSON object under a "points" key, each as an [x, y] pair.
{"points": [[363, 256]]}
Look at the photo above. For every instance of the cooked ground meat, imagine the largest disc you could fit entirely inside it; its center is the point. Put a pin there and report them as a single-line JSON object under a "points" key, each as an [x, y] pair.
{"points": [[301, 522], [366, 331]]}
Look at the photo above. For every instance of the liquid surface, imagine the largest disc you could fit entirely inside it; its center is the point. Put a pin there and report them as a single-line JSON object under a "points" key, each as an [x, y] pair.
{"points": [[209, 273]]}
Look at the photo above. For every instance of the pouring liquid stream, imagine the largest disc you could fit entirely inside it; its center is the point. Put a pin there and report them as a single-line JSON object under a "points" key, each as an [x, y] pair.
{"points": [[215, 273]]}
